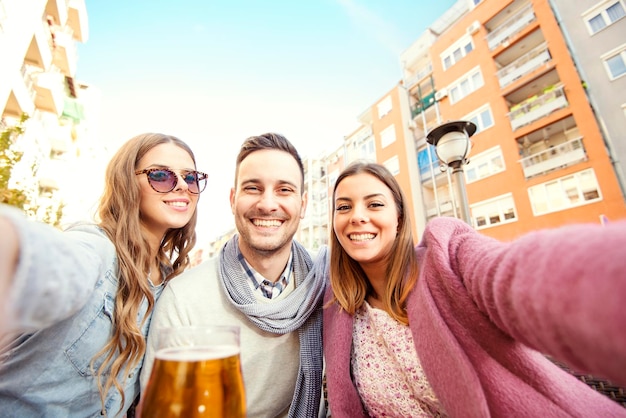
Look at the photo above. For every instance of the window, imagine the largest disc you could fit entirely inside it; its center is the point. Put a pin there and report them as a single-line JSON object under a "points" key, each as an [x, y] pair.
{"points": [[457, 51], [615, 62], [388, 136], [393, 165], [469, 83], [495, 211], [567, 192], [384, 107], [485, 164], [603, 15], [482, 118], [428, 162]]}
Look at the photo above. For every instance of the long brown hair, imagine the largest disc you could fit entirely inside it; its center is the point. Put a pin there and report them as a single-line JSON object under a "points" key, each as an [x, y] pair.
{"points": [[348, 280], [119, 216]]}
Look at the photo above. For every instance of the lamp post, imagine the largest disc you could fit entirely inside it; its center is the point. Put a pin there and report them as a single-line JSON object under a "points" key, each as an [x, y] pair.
{"points": [[452, 145]]}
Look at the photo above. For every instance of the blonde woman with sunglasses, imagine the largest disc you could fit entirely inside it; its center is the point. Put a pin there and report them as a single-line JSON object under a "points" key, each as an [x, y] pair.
{"points": [[77, 304]]}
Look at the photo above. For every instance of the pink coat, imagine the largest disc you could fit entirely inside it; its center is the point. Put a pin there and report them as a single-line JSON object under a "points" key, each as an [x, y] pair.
{"points": [[480, 303]]}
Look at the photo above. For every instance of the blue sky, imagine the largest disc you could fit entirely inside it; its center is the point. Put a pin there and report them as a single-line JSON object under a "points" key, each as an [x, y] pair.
{"points": [[216, 72]]}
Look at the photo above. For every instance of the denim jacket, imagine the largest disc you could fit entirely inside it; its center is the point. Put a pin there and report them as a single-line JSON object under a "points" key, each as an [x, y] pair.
{"points": [[45, 371]]}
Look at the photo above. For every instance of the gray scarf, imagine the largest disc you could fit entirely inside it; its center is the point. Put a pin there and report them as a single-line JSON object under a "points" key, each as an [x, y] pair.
{"points": [[300, 310]]}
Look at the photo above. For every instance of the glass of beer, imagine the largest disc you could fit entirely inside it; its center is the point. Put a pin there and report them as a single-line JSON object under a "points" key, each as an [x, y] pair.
{"points": [[196, 373]]}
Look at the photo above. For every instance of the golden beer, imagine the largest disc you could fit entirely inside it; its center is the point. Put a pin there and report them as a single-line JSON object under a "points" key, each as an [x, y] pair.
{"points": [[195, 382]]}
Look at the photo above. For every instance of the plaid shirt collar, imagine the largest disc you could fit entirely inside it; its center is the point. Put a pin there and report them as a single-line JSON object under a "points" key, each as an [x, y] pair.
{"points": [[268, 289]]}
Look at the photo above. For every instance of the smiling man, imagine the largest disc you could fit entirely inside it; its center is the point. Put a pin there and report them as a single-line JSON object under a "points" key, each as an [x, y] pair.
{"points": [[263, 281]]}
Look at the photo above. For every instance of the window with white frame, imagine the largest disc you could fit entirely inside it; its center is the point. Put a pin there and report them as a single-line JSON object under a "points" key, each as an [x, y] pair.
{"points": [[387, 136], [485, 164], [482, 118], [393, 165], [615, 62], [564, 193], [384, 107], [452, 55], [367, 149], [604, 14], [495, 211], [467, 84]]}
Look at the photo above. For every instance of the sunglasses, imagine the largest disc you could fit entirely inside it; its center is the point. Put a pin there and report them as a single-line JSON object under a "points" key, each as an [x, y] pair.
{"points": [[164, 180]]}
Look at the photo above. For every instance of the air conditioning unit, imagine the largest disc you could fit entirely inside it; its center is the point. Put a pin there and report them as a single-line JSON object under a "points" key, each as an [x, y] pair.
{"points": [[441, 94], [473, 28]]}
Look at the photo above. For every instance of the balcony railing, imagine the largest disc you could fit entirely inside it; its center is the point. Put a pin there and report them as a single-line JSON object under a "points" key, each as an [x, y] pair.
{"points": [[60, 138], [536, 107], [511, 26], [423, 104], [411, 81], [26, 72], [524, 65], [445, 208], [562, 155], [50, 94], [65, 52]]}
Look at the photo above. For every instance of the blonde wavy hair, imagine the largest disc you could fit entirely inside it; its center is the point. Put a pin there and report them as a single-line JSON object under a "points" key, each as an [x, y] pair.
{"points": [[119, 217], [348, 280]]}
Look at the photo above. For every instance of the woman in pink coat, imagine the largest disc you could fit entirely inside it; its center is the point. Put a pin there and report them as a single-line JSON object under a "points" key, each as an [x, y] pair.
{"points": [[461, 325]]}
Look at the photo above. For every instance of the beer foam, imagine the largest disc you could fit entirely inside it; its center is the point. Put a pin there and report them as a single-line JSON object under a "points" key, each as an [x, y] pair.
{"points": [[197, 353]]}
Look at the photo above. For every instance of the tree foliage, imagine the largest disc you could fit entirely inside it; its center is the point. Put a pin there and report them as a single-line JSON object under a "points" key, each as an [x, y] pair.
{"points": [[8, 158]]}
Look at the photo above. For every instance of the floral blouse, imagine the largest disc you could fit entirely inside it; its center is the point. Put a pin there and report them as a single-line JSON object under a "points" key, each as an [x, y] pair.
{"points": [[386, 370]]}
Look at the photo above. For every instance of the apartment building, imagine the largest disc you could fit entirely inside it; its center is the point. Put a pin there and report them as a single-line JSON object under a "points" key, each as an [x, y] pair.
{"points": [[38, 48], [538, 157], [595, 32], [382, 136]]}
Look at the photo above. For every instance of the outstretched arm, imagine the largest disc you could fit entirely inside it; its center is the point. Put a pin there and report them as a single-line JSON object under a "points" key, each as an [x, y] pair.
{"points": [[9, 254], [46, 275], [560, 291]]}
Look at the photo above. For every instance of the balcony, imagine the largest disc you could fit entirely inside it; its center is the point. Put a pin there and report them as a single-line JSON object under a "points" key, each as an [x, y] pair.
{"points": [[56, 10], [524, 65], [50, 91], [20, 97], [422, 104], [559, 156], [77, 20], [536, 107], [60, 139], [419, 76], [445, 209], [47, 176], [64, 55], [511, 26], [39, 53]]}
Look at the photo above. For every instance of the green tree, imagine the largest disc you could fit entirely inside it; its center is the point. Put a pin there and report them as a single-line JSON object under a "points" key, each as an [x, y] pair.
{"points": [[8, 158]]}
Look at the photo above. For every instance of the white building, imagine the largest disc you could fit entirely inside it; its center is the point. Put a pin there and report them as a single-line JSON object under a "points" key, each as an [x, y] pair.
{"points": [[38, 40]]}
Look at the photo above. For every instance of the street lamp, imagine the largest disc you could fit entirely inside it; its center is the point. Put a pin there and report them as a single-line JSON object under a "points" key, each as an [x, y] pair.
{"points": [[452, 145]]}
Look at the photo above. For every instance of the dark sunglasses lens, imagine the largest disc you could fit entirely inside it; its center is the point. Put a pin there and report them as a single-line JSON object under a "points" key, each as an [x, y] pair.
{"points": [[191, 178], [162, 181]]}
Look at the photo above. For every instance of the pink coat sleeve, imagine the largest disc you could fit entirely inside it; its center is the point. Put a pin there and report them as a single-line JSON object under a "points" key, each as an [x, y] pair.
{"points": [[560, 291]]}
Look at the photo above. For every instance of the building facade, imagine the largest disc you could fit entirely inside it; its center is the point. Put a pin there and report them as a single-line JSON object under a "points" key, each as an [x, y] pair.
{"points": [[539, 158], [38, 41], [595, 32]]}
